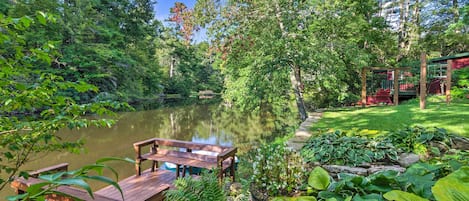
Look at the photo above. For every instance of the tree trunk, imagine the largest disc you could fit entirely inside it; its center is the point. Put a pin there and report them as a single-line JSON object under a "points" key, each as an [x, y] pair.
{"points": [[449, 70], [423, 80], [295, 76], [171, 69], [414, 30], [363, 78], [456, 14], [295, 79], [455, 11], [403, 35]]}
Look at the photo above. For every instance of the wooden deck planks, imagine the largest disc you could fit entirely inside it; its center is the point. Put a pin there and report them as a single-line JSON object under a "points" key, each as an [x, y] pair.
{"points": [[22, 185], [148, 186]]}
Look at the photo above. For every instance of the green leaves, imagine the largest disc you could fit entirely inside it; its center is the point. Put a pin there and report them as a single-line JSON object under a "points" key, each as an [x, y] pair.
{"points": [[276, 169], [77, 178], [299, 198], [33, 98], [41, 17], [397, 195], [319, 178], [454, 187], [347, 147], [190, 189]]}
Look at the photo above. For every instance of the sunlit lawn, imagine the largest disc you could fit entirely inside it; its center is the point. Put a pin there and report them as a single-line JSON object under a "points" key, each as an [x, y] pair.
{"points": [[454, 117]]}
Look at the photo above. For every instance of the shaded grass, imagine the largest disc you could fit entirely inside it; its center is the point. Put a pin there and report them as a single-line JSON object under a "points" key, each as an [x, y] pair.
{"points": [[454, 118]]}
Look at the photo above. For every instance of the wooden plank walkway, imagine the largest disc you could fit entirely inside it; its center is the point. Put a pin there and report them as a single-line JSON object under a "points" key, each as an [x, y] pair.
{"points": [[148, 186]]}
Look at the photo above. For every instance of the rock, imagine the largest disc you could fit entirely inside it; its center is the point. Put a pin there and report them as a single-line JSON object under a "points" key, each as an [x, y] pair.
{"points": [[379, 168], [257, 195], [442, 147], [407, 159], [295, 146], [365, 165], [460, 143], [236, 188], [345, 169]]}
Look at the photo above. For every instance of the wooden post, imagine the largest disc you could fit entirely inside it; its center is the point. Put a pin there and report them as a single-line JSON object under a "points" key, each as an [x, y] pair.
{"points": [[449, 70], [363, 75], [396, 87], [423, 80]]}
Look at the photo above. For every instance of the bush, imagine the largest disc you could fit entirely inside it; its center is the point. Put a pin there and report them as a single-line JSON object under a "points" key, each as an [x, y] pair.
{"points": [[461, 83], [418, 139], [336, 147], [421, 181], [277, 170]]}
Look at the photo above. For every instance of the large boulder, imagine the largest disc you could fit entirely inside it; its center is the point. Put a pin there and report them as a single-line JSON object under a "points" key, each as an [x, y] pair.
{"points": [[407, 159]]}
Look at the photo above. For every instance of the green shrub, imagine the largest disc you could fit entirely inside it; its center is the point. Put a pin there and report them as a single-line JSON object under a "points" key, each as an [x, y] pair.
{"points": [[417, 139], [453, 187], [461, 83], [415, 183], [457, 92], [338, 148], [277, 170], [204, 188]]}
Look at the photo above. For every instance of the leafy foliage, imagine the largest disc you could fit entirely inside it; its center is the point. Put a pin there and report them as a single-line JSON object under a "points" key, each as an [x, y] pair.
{"points": [[461, 80], [398, 195], [32, 101], [204, 188], [117, 46], [452, 160], [341, 148], [276, 169], [415, 183], [353, 148], [454, 187], [319, 178], [417, 139]]}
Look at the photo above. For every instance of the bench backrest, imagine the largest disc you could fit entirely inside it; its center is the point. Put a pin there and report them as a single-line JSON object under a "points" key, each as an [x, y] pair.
{"points": [[190, 145]]}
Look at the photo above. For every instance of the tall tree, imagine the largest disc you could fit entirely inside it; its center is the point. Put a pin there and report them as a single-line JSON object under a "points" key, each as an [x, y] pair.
{"points": [[33, 106], [270, 48], [184, 20]]}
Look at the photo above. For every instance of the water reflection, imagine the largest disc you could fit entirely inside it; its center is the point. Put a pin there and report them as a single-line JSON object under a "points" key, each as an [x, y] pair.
{"points": [[198, 123]]}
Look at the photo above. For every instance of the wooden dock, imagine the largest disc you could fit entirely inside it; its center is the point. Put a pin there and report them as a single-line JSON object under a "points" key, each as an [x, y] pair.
{"points": [[148, 186]]}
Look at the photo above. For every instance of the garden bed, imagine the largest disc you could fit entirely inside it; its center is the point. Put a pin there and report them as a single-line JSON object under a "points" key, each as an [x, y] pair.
{"points": [[349, 165]]}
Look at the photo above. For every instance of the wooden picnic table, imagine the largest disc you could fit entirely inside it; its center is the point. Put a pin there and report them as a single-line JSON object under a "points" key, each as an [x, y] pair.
{"points": [[182, 154]]}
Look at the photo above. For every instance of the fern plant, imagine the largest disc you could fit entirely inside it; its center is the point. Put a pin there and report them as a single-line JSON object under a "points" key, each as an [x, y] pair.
{"points": [[204, 188]]}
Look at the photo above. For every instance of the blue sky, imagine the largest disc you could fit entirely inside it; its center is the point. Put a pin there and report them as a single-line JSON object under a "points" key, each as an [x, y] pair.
{"points": [[162, 7], [162, 13]]}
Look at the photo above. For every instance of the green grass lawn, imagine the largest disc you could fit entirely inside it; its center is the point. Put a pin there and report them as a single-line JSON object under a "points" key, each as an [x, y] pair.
{"points": [[454, 117]]}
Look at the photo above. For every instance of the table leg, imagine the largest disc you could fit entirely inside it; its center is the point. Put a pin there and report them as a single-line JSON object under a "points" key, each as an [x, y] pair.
{"points": [[177, 170]]}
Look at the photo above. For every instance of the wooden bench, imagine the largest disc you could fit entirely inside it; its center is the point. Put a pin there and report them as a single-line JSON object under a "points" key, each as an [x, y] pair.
{"points": [[149, 186], [183, 155]]}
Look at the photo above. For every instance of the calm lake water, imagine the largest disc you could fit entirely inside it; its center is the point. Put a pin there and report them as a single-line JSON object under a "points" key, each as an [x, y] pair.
{"points": [[198, 123]]}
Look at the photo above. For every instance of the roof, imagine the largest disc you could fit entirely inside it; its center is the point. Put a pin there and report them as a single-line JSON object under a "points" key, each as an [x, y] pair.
{"points": [[456, 56]]}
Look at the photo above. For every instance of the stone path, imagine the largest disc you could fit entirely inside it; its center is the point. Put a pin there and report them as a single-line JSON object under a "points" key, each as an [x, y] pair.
{"points": [[303, 133]]}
